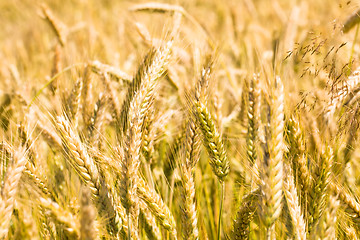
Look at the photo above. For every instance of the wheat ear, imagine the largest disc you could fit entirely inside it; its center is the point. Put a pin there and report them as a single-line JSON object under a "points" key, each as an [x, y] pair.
{"points": [[58, 27], [56, 67], [150, 225], [341, 94], [294, 205], [9, 189], [74, 101], [149, 71], [85, 167], [113, 72], [87, 217], [212, 141], [97, 120], [271, 173], [253, 119], [157, 207], [141, 102], [319, 191], [245, 215], [351, 203], [62, 218], [327, 225], [299, 161]]}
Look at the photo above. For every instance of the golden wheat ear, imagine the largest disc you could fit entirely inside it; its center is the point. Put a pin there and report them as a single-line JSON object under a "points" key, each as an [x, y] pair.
{"points": [[84, 165], [10, 188], [271, 171], [59, 28]]}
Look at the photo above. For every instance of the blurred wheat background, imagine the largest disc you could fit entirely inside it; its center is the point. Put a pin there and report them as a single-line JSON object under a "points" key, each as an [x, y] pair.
{"points": [[202, 119]]}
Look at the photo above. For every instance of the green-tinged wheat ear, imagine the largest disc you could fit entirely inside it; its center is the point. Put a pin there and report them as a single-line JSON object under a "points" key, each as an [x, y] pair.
{"points": [[149, 222], [88, 225], [319, 193], [271, 172], [61, 218], [212, 141], [9, 189], [294, 205], [245, 215], [157, 207], [85, 167], [253, 119], [150, 70]]}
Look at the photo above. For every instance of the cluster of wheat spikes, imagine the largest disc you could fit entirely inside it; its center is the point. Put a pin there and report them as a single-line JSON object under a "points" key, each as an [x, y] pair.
{"points": [[146, 122]]}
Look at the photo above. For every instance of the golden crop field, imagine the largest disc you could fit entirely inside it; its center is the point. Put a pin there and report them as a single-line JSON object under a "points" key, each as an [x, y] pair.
{"points": [[187, 119]]}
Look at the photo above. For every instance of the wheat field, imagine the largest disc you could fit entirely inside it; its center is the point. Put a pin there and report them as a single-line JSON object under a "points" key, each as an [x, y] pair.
{"points": [[202, 119]]}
